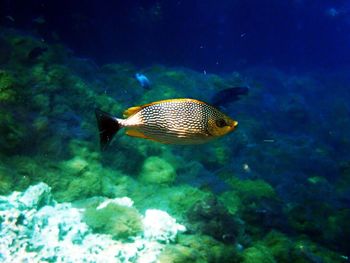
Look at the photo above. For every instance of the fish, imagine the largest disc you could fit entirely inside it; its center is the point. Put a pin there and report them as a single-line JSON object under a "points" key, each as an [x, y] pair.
{"points": [[143, 80], [228, 95], [173, 121]]}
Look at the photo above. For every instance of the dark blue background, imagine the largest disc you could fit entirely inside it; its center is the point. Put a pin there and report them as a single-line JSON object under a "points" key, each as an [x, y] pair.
{"points": [[204, 35]]}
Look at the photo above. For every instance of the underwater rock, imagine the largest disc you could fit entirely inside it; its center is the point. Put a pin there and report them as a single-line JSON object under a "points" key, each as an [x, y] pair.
{"points": [[155, 170], [34, 228], [210, 217], [36, 196]]}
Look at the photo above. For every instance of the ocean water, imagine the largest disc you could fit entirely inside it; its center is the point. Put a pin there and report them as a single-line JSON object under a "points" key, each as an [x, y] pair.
{"points": [[276, 189]]}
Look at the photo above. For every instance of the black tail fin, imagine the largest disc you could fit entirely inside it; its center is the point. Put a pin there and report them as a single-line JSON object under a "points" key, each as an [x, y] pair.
{"points": [[108, 126]]}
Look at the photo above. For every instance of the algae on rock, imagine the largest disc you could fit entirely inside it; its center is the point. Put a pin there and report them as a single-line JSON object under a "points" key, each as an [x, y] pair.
{"points": [[157, 171], [121, 222]]}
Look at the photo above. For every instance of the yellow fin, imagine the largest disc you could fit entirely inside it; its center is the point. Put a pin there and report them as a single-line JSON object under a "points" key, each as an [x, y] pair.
{"points": [[131, 111], [136, 133]]}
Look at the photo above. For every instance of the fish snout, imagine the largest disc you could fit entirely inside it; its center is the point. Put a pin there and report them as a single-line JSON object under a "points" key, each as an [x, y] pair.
{"points": [[234, 124]]}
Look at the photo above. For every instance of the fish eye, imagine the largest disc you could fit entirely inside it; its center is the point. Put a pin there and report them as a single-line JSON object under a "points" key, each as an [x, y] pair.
{"points": [[221, 123]]}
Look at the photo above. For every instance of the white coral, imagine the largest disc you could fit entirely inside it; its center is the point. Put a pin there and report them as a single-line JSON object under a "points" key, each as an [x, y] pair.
{"points": [[160, 226], [122, 201], [34, 228]]}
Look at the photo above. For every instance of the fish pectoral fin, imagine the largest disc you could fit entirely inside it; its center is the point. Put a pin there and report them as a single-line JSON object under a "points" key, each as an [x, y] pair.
{"points": [[131, 111], [136, 133]]}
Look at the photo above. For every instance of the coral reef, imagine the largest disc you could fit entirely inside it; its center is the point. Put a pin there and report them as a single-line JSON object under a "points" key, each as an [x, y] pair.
{"points": [[158, 171], [277, 190], [6, 180], [36, 228], [7, 87], [166, 228], [211, 218], [257, 254], [121, 222], [197, 248]]}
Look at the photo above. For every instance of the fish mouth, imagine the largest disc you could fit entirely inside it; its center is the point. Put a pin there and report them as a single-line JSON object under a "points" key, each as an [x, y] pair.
{"points": [[234, 124]]}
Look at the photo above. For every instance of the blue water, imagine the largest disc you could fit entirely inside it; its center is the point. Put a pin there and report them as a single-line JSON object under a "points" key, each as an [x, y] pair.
{"points": [[199, 34], [294, 124]]}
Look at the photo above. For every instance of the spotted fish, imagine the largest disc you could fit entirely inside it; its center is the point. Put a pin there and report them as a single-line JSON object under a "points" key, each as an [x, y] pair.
{"points": [[173, 121]]}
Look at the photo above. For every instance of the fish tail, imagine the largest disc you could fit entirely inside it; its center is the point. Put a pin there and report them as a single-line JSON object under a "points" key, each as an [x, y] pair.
{"points": [[108, 126]]}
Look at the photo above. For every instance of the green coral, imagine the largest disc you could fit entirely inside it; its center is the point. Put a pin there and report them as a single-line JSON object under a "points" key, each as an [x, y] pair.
{"points": [[57, 77], [108, 104], [120, 222], [310, 217], [179, 254], [156, 170], [252, 189], [258, 254], [29, 170], [197, 249], [7, 87], [305, 251], [41, 102], [6, 181], [41, 124], [337, 229], [82, 179], [12, 132], [176, 74], [231, 201], [76, 165], [280, 246], [87, 185], [22, 46], [176, 200], [182, 198], [84, 149]]}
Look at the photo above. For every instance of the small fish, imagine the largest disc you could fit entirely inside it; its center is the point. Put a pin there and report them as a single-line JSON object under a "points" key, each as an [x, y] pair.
{"points": [[143, 80], [226, 96], [173, 121]]}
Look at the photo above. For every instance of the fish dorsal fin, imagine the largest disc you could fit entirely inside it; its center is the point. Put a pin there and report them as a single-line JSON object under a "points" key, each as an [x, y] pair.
{"points": [[131, 111], [178, 100]]}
